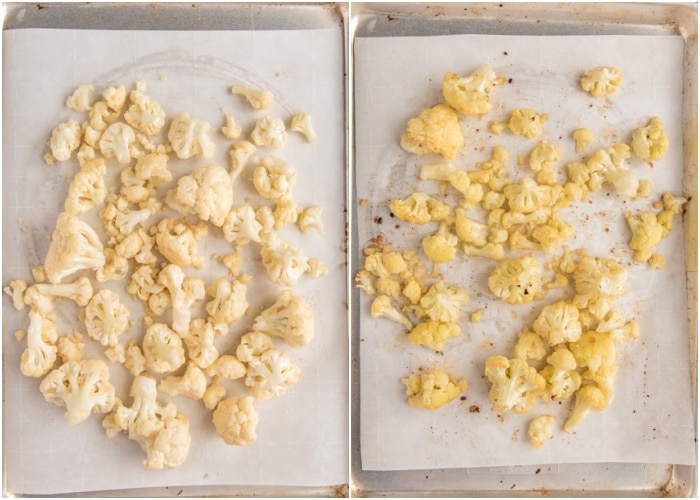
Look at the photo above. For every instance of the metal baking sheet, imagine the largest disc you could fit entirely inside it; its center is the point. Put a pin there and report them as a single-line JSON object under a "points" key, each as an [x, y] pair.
{"points": [[190, 55], [536, 20]]}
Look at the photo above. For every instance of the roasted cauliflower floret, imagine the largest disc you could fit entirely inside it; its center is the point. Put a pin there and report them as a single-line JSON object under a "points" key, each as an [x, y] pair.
{"points": [[650, 142], [527, 196], [436, 130], [598, 283], [558, 323], [514, 384], [561, 376], [601, 81], [516, 281], [431, 390], [440, 246], [646, 234], [443, 303], [583, 138], [540, 430], [594, 350], [433, 333], [470, 95], [419, 208], [588, 398]]}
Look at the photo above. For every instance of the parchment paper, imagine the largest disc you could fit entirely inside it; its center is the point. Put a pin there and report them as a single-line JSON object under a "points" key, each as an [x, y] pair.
{"points": [[302, 437], [650, 419]]}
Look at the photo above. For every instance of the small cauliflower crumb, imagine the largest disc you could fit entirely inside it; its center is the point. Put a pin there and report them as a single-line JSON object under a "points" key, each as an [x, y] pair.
{"points": [[477, 315]]}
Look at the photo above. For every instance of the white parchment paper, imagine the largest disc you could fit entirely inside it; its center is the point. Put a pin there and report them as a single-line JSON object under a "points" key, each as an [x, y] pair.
{"points": [[302, 437], [650, 419]]}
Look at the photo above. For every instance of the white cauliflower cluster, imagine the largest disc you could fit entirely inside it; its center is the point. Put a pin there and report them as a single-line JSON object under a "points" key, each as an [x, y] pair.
{"points": [[155, 236]]}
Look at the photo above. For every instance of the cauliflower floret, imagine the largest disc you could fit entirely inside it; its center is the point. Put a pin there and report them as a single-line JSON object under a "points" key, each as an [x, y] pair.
{"points": [[271, 374], [252, 345], [117, 141], [588, 398], [646, 234], [106, 317], [561, 376], [431, 390], [229, 302], [558, 323], [419, 208], [286, 212], [310, 218], [673, 203], [290, 318], [543, 160], [65, 138], [540, 430], [71, 347], [441, 246], [284, 262], [236, 420], [16, 290], [598, 283], [87, 189], [134, 360], [269, 132], [442, 303], [191, 384], [80, 99], [240, 153], [594, 350], [516, 281], [190, 137], [144, 114], [607, 166], [470, 95], [226, 367], [83, 387], [140, 182], [601, 81], [231, 130], [301, 122], [241, 226], [583, 138], [79, 291], [74, 246], [214, 394], [161, 431], [436, 130], [382, 308], [176, 240], [200, 343], [184, 294], [433, 333], [274, 178], [258, 99], [619, 329], [515, 384], [207, 193], [41, 352], [530, 346], [527, 196], [526, 122], [469, 230], [163, 349], [119, 220], [446, 172]]}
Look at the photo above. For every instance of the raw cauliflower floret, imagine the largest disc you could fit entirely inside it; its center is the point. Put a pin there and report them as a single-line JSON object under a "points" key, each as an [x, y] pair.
{"points": [[65, 138], [40, 354], [163, 349], [162, 432], [192, 383], [190, 137], [540, 430], [106, 317], [310, 218], [441, 246], [583, 138], [274, 178], [236, 420], [443, 303], [83, 387], [214, 394], [240, 226], [139, 183], [431, 390], [184, 292], [515, 384], [258, 99], [71, 347], [87, 189], [435, 130], [558, 323], [608, 166], [284, 262], [74, 246], [527, 196], [561, 376], [601, 81], [269, 132], [516, 280], [79, 291], [229, 302], [382, 308], [80, 99], [177, 239], [290, 318], [271, 374], [470, 95], [207, 193], [646, 234], [241, 152], [226, 367], [144, 114], [199, 340], [433, 333], [594, 350], [419, 208], [301, 122], [117, 141], [252, 345], [231, 130], [526, 122], [598, 283], [650, 142], [588, 398]]}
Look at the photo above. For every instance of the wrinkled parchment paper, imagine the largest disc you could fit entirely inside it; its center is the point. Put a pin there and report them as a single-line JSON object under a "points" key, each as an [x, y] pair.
{"points": [[301, 436], [650, 419]]}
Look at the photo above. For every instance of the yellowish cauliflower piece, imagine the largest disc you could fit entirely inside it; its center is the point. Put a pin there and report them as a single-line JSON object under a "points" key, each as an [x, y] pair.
{"points": [[646, 234], [433, 333], [190, 137], [470, 95], [530, 346], [443, 303], [540, 430], [583, 138], [601, 81], [435, 130], [516, 281], [432, 389], [598, 283], [558, 323], [526, 122], [106, 317], [514, 384], [588, 398], [527, 196], [419, 208], [594, 350], [257, 98], [561, 376], [441, 246]]}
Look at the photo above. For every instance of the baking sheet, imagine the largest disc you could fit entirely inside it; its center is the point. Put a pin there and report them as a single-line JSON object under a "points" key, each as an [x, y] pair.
{"points": [[397, 77], [302, 437]]}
